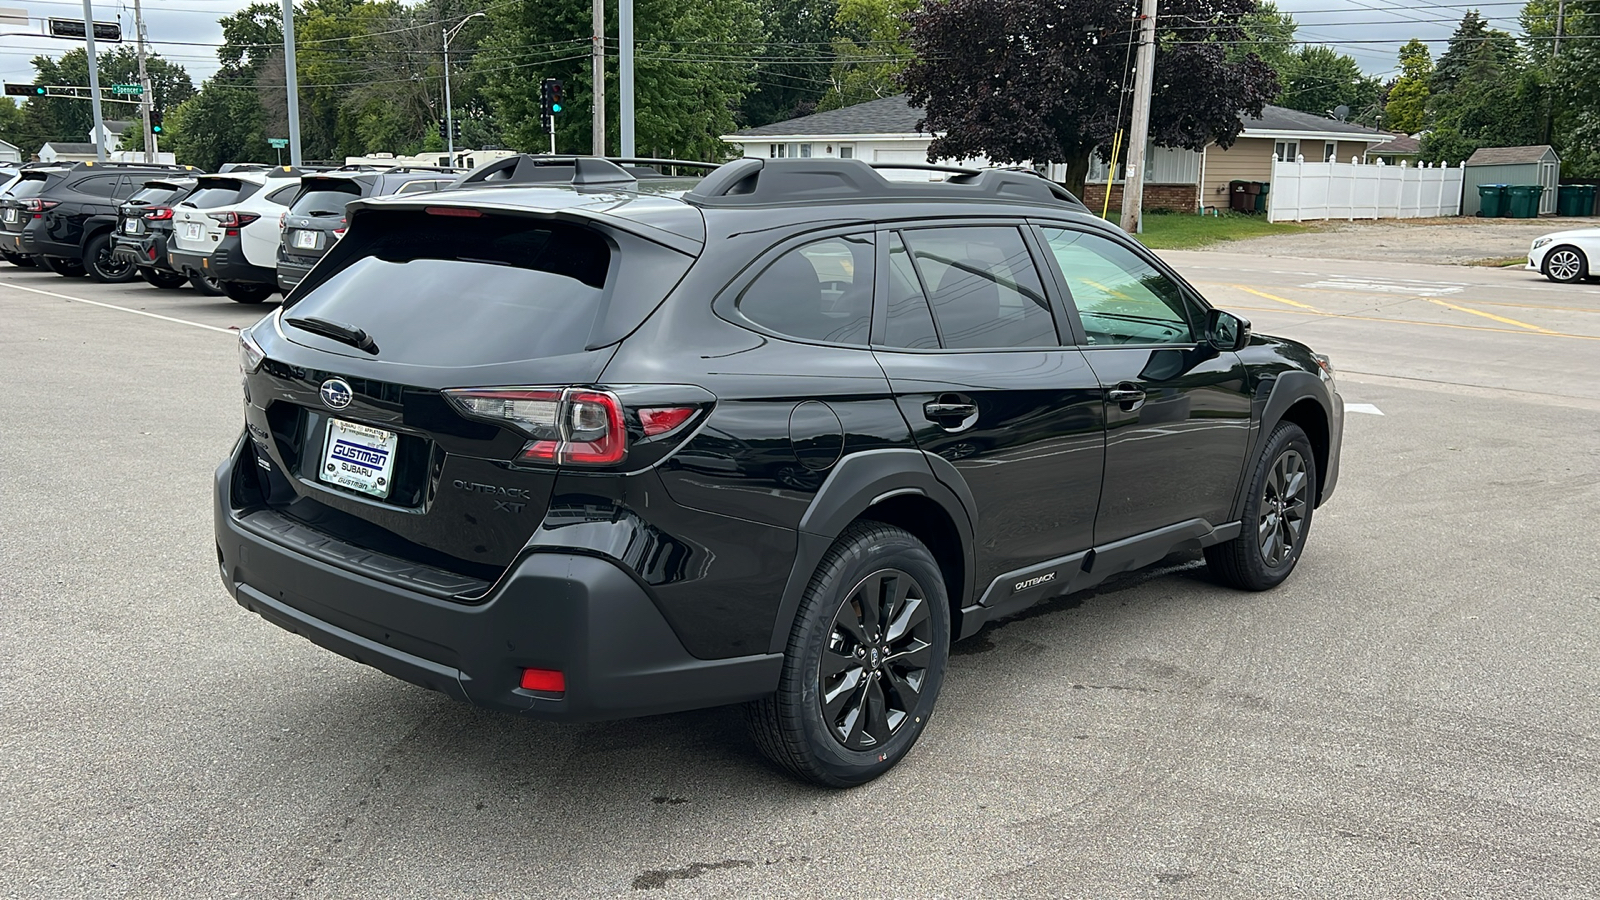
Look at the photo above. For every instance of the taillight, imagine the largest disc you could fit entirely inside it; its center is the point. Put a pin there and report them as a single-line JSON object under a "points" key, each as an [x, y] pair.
{"points": [[233, 221], [158, 212], [344, 223], [37, 206], [577, 426], [661, 420]]}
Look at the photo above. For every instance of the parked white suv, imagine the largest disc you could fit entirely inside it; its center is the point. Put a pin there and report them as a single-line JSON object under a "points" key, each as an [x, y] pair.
{"points": [[227, 231]]}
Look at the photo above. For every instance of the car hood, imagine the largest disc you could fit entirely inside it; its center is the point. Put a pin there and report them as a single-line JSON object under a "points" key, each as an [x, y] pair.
{"points": [[1589, 233]]}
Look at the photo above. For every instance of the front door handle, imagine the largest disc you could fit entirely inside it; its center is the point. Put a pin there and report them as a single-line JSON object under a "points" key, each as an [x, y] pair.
{"points": [[952, 412], [1130, 395]]}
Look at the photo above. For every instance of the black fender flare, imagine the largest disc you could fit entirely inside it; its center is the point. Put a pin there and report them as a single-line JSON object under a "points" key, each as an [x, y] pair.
{"points": [[855, 484], [1287, 389], [93, 227]]}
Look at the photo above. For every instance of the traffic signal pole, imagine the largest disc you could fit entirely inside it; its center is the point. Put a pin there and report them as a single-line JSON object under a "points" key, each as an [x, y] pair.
{"points": [[94, 82], [625, 75], [293, 81], [598, 61], [144, 81]]}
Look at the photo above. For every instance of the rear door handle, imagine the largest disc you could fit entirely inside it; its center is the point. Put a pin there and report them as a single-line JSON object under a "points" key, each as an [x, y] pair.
{"points": [[952, 412]]}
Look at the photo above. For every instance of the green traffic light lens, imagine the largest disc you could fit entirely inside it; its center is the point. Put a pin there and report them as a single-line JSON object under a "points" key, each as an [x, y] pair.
{"points": [[555, 107], [39, 90]]}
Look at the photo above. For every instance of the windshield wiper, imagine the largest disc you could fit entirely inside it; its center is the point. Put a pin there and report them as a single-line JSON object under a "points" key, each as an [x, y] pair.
{"points": [[344, 334]]}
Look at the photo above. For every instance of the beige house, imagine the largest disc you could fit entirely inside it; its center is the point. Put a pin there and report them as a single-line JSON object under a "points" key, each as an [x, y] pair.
{"points": [[1182, 180]]}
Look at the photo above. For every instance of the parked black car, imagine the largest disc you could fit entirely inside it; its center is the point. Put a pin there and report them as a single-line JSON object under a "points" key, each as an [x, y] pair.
{"points": [[316, 219], [144, 223], [64, 216], [626, 445], [12, 178]]}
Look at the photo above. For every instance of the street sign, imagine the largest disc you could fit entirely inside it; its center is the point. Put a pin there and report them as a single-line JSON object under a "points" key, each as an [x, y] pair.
{"points": [[278, 143], [127, 89], [73, 28]]}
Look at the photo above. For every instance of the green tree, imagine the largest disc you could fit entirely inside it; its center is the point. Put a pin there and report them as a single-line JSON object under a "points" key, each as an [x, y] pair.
{"points": [[870, 52], [1317, 80], [794, 67], [59, 119], [1472, 41], [1408, 98], [1269, 34]]}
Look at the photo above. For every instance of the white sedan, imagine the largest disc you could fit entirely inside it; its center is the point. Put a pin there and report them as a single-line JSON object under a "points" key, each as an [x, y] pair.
{"points": [[1566, 256]]}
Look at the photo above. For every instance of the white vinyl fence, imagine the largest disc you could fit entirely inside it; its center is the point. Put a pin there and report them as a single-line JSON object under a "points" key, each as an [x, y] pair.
{"points": [[1353, 190]]}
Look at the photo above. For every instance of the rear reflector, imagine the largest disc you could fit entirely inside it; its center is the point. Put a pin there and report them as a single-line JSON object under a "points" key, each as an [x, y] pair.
{"points": [[663, 419], [548, 680]]}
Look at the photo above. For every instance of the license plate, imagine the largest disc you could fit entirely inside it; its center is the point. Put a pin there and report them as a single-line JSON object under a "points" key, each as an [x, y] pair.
{"points": [[11, 215], [359, 457], [191, 231], [305, 240], [130, 227]]}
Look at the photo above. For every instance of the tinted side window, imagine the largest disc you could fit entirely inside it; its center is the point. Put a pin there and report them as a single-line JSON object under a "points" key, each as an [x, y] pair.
{"points": [[985, 290], [819, 292], [908, 323], [283, 196], [420, 187], [97, 186], [1121, 298]]}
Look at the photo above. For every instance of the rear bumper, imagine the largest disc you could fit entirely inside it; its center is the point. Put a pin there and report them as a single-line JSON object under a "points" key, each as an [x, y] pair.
{"points": [[147, 251], [579, 614], [291, 273], [224, 262], [33, 241]]}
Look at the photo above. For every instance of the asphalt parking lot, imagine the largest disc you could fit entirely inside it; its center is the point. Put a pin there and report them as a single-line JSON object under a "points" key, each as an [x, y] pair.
{"points": [[1412, 715]]}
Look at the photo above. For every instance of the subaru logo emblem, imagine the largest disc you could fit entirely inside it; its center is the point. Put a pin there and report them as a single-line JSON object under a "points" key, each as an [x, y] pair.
{"points": [[336, 393]]}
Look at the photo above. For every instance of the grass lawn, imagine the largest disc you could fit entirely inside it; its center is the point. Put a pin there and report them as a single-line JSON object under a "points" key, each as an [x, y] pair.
{"points": [[1180, 231]]}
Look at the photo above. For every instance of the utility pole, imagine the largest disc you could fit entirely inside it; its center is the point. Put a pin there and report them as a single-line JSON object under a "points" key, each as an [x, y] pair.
{"points": [[1561, 22], [625, 74], [94, 83], [1144, 67], [598, 56], [292, 82], [449, 111], [145, 99]]}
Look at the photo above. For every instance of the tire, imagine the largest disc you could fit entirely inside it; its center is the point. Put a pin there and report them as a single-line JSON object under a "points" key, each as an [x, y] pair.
{"points": [[103, 266], [66, 268], [247, 291], [884, 690], [1277, 515], [164, 280], [205, 285], [1566, 264]]}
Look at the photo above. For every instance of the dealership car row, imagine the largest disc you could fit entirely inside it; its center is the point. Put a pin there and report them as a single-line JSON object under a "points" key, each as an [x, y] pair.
{"points": [[246, 232]]}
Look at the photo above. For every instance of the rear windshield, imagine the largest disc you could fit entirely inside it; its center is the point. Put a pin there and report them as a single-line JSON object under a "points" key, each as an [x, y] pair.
{"points": [[212, 196], [325, 200], [439, 291], [28, 187], [155, 196]]}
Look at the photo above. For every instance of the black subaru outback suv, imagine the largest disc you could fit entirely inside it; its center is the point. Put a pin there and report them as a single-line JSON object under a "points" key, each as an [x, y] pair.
{"points": [[64, 217], [144, 223], [579, 442]]}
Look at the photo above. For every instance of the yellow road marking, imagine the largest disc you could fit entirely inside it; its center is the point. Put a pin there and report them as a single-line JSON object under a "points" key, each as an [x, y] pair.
{"points": [[1323, 315], [1486, 315], [1251, 290]]}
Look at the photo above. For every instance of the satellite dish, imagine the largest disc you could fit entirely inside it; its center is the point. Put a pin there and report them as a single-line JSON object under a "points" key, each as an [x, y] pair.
{"points": [[1341, 112]]}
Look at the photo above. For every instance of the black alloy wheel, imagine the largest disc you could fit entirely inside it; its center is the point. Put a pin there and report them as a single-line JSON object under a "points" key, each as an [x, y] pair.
{"points": [[1277, 515], [164, 280], [103, 265], [876, 661], [864, 662], [66, 268], [205, 285], [1566, 265]]}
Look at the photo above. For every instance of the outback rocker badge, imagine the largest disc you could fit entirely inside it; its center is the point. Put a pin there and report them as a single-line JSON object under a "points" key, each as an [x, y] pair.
{"points": [[1035, 581]]}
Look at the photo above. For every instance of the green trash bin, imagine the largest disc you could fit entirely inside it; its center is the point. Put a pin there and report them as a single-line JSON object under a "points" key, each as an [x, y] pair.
{"points": [[1586, 206], [1263, 188], [1491, 200], [1523, 200], [1570, 200]]}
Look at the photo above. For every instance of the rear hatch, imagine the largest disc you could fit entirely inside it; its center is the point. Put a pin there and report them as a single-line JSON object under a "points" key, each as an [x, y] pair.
{"points": [[419, 377], [199, 220], [150, 209], [317, 217], [20, 205]]}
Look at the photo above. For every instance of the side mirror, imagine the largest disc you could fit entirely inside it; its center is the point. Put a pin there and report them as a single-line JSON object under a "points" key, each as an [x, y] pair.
{"points": [[1226, 331]]}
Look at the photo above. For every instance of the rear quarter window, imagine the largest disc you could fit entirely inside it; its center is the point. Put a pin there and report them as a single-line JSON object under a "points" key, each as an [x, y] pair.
{"points": [[211, 197]]}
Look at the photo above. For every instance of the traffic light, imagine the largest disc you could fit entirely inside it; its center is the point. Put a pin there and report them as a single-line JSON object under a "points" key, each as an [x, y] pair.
{"points": [[155, 121], [555, 95], [26, 90], [444, 132], [550, 97]]}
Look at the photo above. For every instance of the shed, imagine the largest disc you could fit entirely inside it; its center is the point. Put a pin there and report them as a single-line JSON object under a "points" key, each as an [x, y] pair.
{"points": [[1537, 164]]}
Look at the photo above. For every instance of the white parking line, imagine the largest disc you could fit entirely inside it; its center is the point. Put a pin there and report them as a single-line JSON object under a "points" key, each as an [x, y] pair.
{"points": [[1367, 408], [137, 312]]}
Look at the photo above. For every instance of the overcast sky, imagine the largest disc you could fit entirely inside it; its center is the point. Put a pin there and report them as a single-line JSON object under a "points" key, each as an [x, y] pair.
{"points": [[185, 31]]}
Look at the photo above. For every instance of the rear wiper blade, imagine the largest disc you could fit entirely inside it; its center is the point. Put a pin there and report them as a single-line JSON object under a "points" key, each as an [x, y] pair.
{"points": [[344, 334]]}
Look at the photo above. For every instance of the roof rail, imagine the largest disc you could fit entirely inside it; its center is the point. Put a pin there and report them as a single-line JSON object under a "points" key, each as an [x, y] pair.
{"points": [[759, 182], [578, 170], [171, 167], [408, 167]]}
